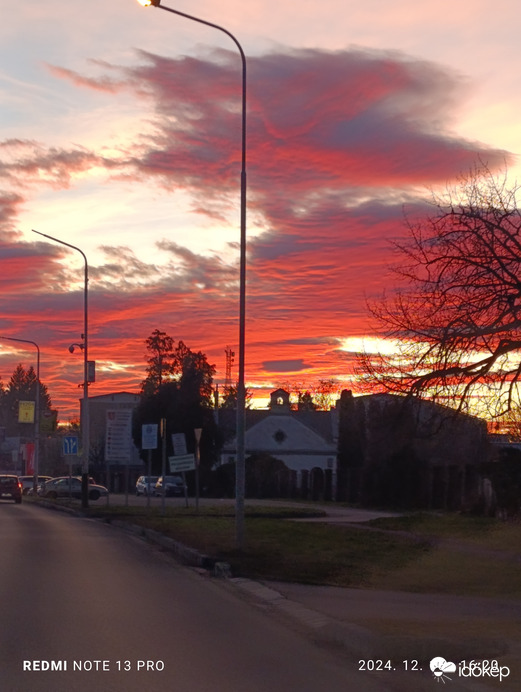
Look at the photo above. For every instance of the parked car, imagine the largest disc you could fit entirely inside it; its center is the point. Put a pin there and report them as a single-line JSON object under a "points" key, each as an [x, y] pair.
{"points": [[27, 482], [146, 485], [172, 486], [70, 486], [10, 488]]}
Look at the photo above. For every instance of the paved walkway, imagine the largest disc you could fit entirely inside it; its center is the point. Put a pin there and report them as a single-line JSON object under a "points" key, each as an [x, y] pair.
{"points": [[409, 630]]}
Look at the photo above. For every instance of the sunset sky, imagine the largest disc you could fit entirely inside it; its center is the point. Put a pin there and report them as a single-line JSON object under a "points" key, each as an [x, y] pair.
{"points": [[120, 133]]}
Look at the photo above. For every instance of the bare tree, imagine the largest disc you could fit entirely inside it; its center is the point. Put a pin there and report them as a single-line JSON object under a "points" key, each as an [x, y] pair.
{"points": [[325, 392], [456, 319]]}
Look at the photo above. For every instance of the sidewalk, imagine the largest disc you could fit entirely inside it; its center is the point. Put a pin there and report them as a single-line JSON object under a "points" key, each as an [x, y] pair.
{"points": [[402, 627], [398, 626]]}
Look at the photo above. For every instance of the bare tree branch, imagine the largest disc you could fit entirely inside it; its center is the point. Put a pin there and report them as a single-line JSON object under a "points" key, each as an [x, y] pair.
{"points": [[457, 314]]}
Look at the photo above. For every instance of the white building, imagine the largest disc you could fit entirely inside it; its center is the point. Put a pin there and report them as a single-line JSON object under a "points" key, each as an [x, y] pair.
{"points": [[304, 440]]}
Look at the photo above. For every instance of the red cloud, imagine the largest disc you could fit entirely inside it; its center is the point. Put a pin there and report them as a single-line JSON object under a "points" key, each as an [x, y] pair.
{"points": [[330, 135]]}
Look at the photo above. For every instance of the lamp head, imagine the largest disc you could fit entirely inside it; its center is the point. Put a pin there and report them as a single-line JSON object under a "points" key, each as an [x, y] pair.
{"points": [[146, 3]]}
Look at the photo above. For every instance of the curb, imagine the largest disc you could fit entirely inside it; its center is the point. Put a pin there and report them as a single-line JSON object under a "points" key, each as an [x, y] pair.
{"points": [[185, 554], [358, 642]]}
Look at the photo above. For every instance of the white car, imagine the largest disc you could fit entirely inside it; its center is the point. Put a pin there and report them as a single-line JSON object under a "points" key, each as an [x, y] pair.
{"points": [[145, 485], [70, 486]]}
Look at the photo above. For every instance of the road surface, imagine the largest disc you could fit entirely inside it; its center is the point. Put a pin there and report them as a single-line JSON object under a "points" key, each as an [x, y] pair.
{"points": [[86, 607]]}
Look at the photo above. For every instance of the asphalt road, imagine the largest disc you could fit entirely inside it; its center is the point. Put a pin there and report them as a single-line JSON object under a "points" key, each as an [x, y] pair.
{"points": [[110, 612]]}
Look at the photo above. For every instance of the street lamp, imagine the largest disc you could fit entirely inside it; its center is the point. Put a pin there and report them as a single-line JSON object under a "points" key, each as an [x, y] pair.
{"points": [[241, 388], [85, 417], [36, 470]]}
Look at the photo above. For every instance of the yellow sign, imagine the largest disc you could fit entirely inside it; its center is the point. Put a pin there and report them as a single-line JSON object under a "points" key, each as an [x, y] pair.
{"points": [[48, 421], [26, 411]]}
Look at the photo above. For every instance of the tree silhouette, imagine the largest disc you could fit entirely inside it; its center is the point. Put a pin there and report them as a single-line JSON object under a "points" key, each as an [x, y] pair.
{"points": [[456, 319], [22, 386], [178, 388]]}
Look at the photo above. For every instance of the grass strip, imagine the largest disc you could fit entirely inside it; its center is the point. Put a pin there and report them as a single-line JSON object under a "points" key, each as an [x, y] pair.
{"points": [[420, 552]]}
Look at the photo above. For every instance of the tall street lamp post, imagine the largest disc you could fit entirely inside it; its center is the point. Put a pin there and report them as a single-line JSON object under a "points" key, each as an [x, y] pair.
{"points": [[241, 388], [36, 469], [85, 414]]}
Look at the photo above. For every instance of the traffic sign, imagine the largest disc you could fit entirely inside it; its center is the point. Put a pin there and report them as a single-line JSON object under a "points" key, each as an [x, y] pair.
{"points": [[149, 436], [185, 462], [70, 445], [179, 444], [118, 435], [26, 411]]}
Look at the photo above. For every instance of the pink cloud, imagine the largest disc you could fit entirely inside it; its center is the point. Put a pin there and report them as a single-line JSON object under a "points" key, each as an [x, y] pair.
{"points": [[105, 84], [24, 163], [316, 119]]}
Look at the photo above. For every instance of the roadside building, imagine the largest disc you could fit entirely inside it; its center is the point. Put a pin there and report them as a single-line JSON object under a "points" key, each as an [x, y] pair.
{"points": [[114, 459]]}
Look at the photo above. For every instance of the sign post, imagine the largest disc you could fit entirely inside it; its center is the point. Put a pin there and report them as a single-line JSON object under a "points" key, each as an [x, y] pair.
{"points": [[180, 464], [197, 433], [118, 439], [70, 445], [149, 442], [163, 463], [26, 411], [179, 445], [70, 449]]}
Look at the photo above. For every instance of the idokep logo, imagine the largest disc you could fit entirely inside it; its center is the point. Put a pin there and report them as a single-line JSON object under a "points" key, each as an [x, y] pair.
{"points": [[467, 669], [440, 667], [483, 669]]}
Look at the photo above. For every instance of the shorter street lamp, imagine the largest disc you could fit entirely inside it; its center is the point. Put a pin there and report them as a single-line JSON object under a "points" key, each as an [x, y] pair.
{"points": [[85, 425]]}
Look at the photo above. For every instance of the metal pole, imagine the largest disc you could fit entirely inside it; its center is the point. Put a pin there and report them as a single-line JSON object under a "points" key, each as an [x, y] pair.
{"points": [[36, 469], [197, 433], [85, 423], [163, 464], [240, 471], [149, 469]]}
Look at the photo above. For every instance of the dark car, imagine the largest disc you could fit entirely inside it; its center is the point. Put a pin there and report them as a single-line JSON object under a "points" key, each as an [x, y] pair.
{"points": [[171, 486], [10, 488], [28, 482]]}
